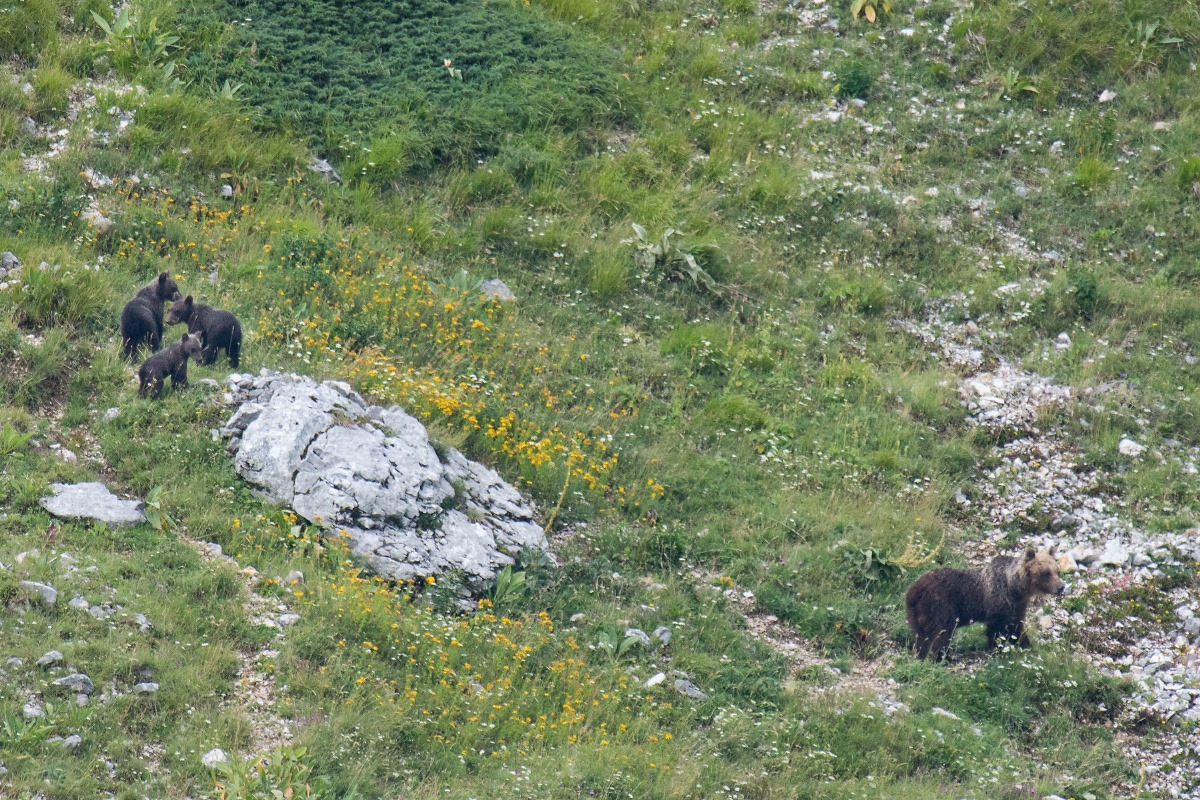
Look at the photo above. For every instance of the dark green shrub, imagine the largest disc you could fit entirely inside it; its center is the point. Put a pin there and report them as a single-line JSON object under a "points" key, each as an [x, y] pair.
{"points": [[855, 78], [457, 79]]}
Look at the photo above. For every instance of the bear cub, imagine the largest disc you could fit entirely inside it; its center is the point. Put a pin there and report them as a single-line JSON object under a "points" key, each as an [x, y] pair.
{"points": [[169, 361], [220, 329], [997, 595], [142, 317]]}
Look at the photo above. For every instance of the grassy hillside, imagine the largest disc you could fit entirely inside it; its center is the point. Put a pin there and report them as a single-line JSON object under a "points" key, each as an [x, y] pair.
{"points": [[718, 220]]}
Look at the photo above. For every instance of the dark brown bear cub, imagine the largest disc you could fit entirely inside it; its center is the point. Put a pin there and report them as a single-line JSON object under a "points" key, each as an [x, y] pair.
{"points": [[997, 595], [142, 317], [168, 361], [220, 329]]}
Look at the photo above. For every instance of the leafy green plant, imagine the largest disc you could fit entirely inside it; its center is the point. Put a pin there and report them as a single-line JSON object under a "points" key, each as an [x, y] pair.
{"points": [[870, 8], [1012, 83], [133, 42], [228, 91], [159, 519], [872, 565], [1146, 37], [12, 440], [18, 732], [616, 646], [663, 257], [509, 588], [283, 773]]}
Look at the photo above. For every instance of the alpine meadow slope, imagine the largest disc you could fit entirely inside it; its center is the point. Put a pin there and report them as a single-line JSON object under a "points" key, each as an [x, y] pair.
{"points": [[805, 307]]}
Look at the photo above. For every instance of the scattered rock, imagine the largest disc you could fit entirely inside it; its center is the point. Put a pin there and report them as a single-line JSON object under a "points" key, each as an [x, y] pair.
{"points": [[50, 658], [227, 191], [101, 612], [689, 689], [76, 682], [111, 414], [494, 287], [638, 634], [43, 591], [146, 687], [325, 170], [370, 474], [1107, 96], [655, 679], [1128, 447], [92, 501], [941, 712], [294, 577], [213, 757], [33, 710], [288, 619], [1062, 341], [663, 633], [71, 742], [1115, 554], [79, 602]]}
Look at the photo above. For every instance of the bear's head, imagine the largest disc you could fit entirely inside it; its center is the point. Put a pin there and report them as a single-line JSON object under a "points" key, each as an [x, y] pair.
{"points": [[192, 345], [167, 288], [180, 311], [1039, 569]]}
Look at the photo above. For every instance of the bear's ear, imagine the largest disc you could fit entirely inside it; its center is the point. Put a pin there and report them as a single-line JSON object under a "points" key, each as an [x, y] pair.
{"points": [[184, 339], [162, 278], [187, 301], [1030, 553], [1051, 551]]}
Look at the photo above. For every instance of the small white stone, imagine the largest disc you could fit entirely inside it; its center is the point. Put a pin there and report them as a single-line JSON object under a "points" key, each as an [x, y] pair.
{"points": [[655, 679], [213, 757], [1128, 447]]}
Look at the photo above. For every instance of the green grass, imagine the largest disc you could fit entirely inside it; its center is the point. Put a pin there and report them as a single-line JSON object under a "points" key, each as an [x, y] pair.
{"points": [[768, 429]]}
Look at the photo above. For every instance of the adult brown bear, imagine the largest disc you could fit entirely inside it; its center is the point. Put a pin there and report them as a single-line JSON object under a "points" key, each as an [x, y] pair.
{"points": [[997, 595]]}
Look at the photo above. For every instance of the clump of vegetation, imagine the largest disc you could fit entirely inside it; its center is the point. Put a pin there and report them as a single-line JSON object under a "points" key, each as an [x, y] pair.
{"points": [[856, 77], [395, 88]]}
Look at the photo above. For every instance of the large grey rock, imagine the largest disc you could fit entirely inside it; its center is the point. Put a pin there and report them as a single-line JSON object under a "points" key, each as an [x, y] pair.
{"points": [[371, 474], [50, 658], [43, 591], [92, 501], [77, 682]]}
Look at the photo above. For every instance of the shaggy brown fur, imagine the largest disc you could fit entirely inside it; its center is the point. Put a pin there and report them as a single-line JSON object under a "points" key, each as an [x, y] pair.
{"points": [[220, 329], [997, 595], [142, 317], [168, 361]]}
